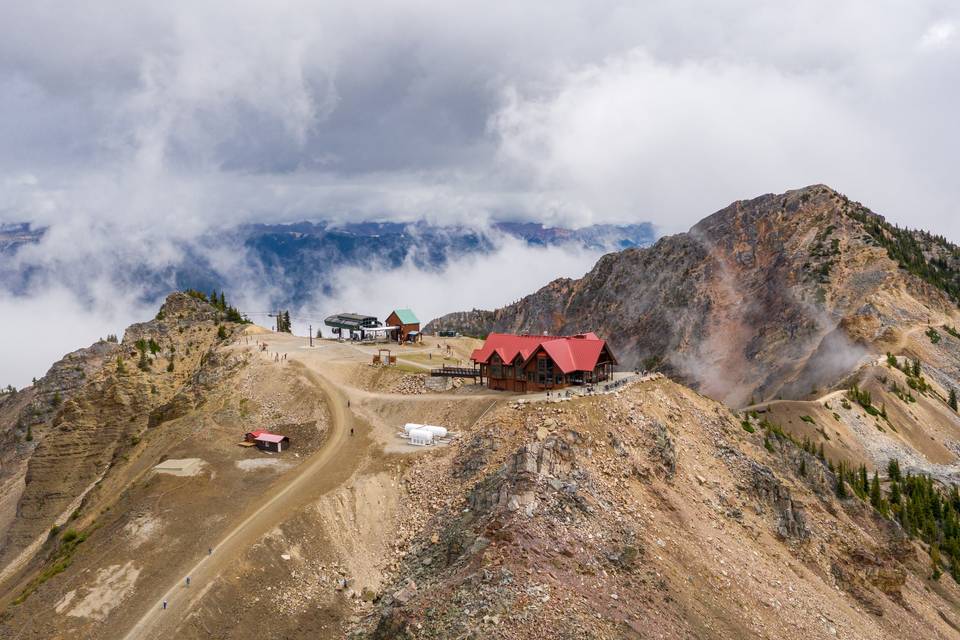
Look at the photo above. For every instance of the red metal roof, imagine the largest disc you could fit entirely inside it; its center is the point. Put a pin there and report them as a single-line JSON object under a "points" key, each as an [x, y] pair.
{"points": [[258, 432], [569, 353], [269, 437]]}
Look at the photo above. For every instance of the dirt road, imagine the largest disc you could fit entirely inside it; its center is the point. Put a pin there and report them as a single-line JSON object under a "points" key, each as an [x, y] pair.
{"points": [[326, 469]]}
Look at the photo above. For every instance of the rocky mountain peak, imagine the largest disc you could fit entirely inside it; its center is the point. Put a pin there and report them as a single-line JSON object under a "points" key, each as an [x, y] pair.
{"points": [[774, 296]]}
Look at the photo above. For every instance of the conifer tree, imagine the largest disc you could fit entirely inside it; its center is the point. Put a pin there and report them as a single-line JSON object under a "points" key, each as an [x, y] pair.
{"points": [[875, 496], [953, 399], [895, 492], [841, 488], [893, 469]]}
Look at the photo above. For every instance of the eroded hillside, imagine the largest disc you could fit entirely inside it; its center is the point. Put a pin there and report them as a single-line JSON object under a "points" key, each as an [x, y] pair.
{"points": [[86, 417], [649, 513]]}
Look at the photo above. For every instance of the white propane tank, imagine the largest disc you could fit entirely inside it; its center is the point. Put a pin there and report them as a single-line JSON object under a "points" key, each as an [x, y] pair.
{"points": [[438, 432], [420, 437]]}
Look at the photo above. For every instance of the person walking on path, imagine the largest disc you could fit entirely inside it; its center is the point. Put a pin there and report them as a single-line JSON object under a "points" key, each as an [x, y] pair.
{"points": [[164, 605], [188, 581]]}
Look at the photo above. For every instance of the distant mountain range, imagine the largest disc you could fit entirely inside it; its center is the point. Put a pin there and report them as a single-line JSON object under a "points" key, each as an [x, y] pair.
{"points": [[303, 258]]}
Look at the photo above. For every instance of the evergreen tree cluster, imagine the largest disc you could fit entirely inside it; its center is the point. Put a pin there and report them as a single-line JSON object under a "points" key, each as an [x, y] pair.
{"points": [[929, 257], [913, 370], [219, 301], [930, 513], [924, 509], [283, 322], [865, 400]]}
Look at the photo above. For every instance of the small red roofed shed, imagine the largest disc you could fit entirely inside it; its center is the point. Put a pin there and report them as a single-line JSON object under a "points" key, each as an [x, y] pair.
{"points": [[267, 441]]}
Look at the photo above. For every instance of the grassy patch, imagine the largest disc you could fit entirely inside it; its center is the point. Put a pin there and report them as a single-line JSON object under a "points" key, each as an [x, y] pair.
{"points": [[61, 559], [808, 419]]}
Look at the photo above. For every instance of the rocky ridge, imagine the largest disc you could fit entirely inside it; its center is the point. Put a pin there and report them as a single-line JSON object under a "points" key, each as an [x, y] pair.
{"points": [[770, 297], [94, 403]]}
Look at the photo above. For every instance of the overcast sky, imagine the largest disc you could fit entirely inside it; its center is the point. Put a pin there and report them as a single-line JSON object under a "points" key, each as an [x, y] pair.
{"points": [[565, 112], [125, 123]]}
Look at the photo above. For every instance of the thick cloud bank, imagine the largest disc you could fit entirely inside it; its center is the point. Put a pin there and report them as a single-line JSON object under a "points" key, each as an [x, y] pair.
{"points": [[194, 114]]}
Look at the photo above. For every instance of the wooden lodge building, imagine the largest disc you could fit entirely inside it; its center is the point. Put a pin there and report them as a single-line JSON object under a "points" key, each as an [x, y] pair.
{"points": [[535, 363], [408, 327]]}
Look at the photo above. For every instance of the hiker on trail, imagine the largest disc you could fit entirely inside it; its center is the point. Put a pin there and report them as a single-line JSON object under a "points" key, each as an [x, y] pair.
{"points": [[348, 404], [164, 605], [351, 430], [188, 581], [209, 551]]}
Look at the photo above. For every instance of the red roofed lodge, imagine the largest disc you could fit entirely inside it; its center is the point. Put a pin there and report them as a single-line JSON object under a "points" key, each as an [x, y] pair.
{"points": [[536, 363]]}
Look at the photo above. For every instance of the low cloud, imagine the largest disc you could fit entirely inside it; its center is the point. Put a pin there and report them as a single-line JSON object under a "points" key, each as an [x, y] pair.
{"points": [[40, 329], [476, 281]]}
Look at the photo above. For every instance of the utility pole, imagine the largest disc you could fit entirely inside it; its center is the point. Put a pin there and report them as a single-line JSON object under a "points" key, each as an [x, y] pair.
{"points": [[310, 329]]}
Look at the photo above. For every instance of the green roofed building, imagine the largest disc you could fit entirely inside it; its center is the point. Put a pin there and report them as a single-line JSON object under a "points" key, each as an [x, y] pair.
{"points": [[408, 326]]}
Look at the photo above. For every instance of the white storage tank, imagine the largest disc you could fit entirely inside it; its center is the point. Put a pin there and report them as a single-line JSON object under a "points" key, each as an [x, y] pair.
{"points": [[438, 432], [420, 437]]}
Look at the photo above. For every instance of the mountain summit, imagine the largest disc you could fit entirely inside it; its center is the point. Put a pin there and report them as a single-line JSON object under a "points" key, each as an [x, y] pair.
{"points": [[776, 296]]}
